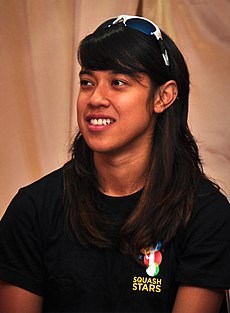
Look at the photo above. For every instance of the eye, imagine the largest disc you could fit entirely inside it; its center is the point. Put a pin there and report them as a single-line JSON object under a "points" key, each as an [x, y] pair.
{"points": [[85, 83], [119, 82]]}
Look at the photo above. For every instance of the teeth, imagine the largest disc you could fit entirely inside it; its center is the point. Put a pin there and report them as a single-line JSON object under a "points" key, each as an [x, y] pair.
{"points": [[101, 121]]}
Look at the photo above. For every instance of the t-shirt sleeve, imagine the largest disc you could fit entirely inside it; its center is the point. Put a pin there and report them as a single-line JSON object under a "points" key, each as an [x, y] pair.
{"points": [[205, 248], [21, 245]]}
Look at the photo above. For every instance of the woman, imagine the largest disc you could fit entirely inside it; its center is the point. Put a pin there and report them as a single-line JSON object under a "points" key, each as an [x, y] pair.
{"points": [[130, 223]]}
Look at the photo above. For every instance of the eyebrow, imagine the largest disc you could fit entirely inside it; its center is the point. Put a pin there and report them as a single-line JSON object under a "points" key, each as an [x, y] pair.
{"points": [[85, 72], [114, 71]]}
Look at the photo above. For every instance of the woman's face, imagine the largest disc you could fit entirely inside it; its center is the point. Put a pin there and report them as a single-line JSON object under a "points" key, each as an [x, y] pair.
{"points": [[114, 112]]}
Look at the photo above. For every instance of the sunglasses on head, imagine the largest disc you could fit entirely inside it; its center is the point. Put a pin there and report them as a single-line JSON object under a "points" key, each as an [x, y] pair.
{"points": [[143, 25]]}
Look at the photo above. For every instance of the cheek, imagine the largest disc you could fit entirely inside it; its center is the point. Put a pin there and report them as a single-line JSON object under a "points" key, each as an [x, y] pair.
{"points": [[143, 111]]}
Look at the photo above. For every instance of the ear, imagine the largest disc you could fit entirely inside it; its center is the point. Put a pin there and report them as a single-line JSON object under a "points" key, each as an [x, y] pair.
{"points": [[165, 96]]}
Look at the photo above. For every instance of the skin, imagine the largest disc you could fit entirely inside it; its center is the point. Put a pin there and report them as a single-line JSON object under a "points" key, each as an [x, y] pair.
{"points": [[121, 149], [191, 299], [17, 300], [117, 96], [121, 152]]}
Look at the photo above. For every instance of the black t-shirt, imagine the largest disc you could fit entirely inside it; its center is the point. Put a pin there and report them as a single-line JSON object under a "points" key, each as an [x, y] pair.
{"points": [[38, 253]]}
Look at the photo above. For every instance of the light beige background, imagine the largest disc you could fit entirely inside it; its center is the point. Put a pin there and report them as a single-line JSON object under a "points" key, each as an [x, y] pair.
{"points": [[39, 83]]}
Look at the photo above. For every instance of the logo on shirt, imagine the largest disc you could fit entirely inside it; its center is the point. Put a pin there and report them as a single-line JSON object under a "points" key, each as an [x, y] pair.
{"points": [[152, 259]]}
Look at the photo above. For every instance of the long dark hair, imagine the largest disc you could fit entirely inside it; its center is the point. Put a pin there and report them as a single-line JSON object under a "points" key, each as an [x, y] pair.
{"points": [[165, 205]]}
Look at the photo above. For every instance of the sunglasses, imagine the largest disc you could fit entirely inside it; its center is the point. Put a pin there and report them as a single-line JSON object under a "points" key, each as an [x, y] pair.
{"points": [[143, 25]]}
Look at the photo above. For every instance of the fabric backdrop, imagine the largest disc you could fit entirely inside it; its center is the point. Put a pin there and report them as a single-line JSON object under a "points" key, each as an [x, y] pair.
{"points": [[39, 79]]}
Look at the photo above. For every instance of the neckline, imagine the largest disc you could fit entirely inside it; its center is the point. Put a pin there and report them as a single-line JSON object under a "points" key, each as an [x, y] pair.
{"points": [[118, 208], [135, 194]]}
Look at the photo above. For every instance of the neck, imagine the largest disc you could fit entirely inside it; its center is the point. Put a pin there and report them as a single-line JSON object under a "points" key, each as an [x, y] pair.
{"points": [[121, 175]]}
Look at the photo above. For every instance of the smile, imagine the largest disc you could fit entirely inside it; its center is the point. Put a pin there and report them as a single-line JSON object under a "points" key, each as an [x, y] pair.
{"points": [[100, 121]]}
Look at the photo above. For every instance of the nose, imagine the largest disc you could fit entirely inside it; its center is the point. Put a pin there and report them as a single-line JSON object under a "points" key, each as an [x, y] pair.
{"points": [[99, 96]]}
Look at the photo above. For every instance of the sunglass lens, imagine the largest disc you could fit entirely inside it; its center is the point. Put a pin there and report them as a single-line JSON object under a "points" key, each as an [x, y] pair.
{"points": [[141, 25]]}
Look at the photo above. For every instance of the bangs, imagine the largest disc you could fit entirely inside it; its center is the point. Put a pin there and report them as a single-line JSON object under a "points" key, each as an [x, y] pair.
{"points": [[107, 49]]}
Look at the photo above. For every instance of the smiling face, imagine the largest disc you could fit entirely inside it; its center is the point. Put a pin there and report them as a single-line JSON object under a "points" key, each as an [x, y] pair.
{"points": [[114, 113]]}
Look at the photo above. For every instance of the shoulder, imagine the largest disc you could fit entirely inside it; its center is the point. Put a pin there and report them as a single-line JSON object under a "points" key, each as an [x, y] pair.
{"points": [[41, 199], [52, 182], [203, 248], [209, 199], [211, 213], [33, 220]]}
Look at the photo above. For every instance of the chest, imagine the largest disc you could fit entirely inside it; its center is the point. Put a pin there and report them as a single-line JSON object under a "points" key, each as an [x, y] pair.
{"points": [[83, 279]]}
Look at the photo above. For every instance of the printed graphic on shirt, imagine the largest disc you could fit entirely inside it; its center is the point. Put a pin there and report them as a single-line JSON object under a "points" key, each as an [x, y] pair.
{"points": [[152, 259], [147, 284]]}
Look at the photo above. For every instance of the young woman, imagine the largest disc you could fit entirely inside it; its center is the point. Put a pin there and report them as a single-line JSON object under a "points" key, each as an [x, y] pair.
{"points": [[131, 223]]}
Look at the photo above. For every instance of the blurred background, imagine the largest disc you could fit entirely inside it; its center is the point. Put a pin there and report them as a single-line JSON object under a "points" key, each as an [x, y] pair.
{"points": [[39, 79]]}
